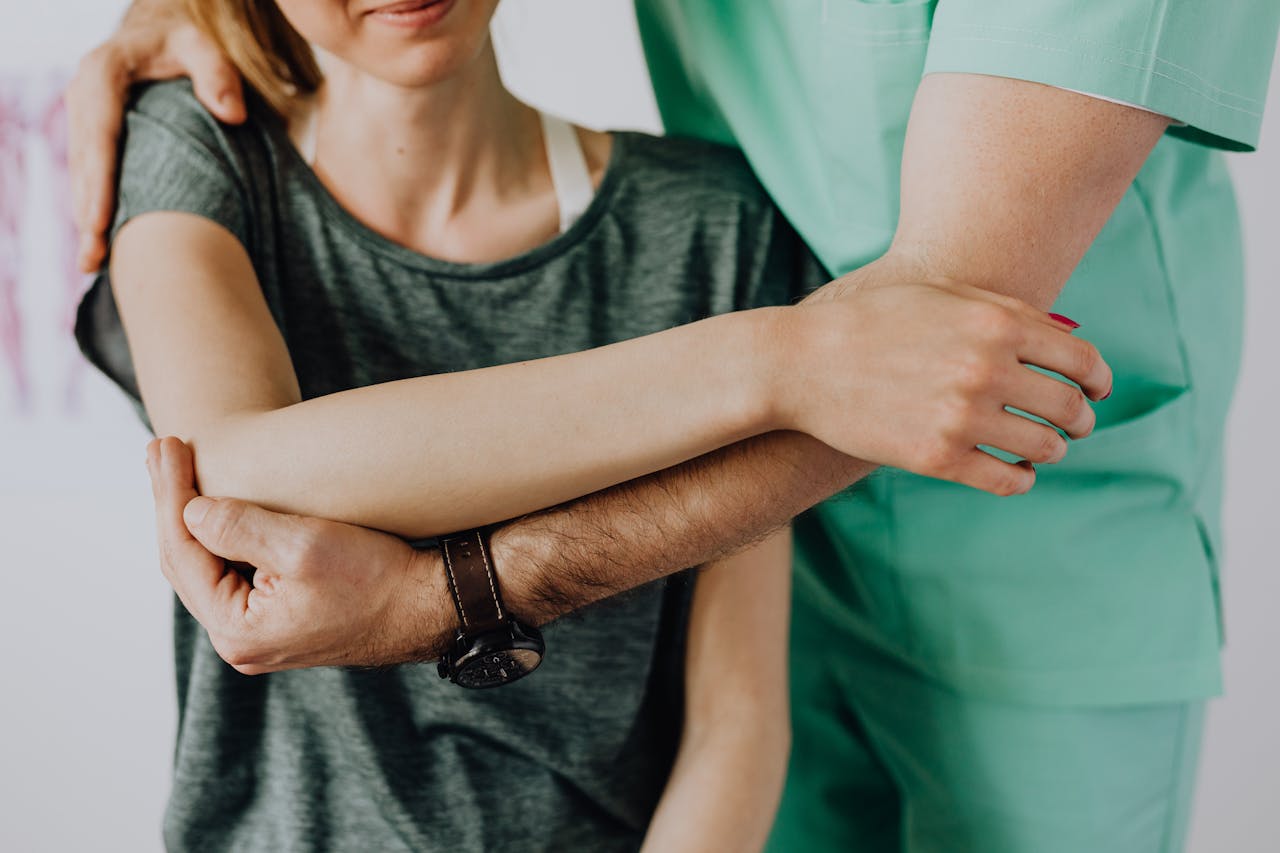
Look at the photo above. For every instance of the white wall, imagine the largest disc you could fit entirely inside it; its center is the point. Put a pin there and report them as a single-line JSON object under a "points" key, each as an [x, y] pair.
{"points": [[86, 703]]}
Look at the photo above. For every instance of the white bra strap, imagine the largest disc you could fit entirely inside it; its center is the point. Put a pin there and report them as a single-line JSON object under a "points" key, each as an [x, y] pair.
{"points": [[307, 137], [569, 173]]}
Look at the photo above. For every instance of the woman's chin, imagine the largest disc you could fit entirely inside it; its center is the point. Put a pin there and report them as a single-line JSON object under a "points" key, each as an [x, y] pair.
{"points": [[417, 67]]}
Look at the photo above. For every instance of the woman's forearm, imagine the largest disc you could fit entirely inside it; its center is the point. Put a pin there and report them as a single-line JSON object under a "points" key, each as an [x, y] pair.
{"points": [[723, 792], [426, 455], [438, 453], [724, 789]]}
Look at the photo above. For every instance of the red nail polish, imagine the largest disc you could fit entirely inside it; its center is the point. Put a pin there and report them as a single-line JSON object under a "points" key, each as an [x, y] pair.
{"points": [[1108, 394], [1066, 321]]}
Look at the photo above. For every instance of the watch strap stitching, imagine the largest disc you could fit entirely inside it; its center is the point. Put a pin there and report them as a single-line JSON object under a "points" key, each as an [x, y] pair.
{"points": [[488, 570], [453, 583]]}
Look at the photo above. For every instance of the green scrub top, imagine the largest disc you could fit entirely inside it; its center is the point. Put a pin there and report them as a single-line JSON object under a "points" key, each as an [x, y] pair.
{"points": [[1100, 586]]}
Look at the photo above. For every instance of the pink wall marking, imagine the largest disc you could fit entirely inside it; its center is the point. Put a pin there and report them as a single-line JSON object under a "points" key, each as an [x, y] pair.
{"points": [[33, 121], [53, 129], [13, 184]]}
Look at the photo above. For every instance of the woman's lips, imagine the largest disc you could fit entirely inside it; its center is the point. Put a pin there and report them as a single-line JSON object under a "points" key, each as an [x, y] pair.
{"points": [[412, 14]]}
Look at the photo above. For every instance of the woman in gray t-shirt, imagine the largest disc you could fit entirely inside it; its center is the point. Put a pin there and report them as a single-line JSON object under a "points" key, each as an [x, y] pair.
{"points": [[408, 219]]}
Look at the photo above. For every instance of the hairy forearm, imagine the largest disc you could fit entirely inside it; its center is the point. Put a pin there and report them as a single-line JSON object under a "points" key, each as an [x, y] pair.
{"points": [[571, 555]]}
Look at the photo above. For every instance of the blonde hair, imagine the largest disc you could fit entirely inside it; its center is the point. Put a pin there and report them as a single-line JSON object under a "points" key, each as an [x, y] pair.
{"points": [[269, 53]]}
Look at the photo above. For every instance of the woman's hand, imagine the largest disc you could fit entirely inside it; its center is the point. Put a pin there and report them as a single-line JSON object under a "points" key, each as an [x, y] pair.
{"points": [[915, 375], [156, 41]]}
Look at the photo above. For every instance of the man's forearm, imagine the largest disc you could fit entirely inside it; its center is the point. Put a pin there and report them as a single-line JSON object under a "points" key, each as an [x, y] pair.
{"points": [[572, 555]]}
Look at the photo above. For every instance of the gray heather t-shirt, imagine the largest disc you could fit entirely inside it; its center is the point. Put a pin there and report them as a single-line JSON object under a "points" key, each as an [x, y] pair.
{"points": [[573, 757]]}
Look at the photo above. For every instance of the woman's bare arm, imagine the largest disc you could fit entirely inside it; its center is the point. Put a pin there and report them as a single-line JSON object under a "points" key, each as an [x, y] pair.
{"points": [[915, 376], [420, 456], [724, 789]]}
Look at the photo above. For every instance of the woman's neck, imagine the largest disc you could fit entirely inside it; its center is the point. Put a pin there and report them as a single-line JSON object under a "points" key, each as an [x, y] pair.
{"points": [[456, 170]]}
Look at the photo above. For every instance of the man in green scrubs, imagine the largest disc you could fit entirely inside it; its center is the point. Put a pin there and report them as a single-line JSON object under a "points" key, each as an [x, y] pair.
{"points": [[1029, 674], [970, 673]]}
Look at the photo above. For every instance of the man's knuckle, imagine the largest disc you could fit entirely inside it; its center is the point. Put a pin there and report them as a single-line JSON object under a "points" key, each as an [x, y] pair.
{"points": [[93, 62], [235, 651], [168, 558], [223, 521], [305, 544]]}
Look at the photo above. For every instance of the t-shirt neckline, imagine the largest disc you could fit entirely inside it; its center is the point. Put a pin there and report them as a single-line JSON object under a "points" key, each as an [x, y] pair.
{"points": [[403, 255]]}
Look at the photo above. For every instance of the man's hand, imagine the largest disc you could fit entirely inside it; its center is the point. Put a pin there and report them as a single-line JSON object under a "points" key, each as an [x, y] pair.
{"points": [[321, 594], [156, 41]]}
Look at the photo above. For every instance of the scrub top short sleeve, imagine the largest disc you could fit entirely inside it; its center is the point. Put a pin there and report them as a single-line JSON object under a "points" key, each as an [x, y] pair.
{"points": [[1202, 62]]}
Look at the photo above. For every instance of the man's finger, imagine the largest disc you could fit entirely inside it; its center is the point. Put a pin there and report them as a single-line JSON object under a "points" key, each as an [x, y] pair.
{"points": [[214, 78], [214, 594], [95, 110], [173, 485]]}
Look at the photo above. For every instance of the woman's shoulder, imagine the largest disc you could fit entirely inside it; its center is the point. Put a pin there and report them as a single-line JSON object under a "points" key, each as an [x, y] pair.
{"points": [[178, 157], [167, 119]]}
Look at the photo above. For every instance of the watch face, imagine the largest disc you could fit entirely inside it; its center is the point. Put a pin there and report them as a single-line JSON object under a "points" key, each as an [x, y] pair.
{"points": [[494, 668]]}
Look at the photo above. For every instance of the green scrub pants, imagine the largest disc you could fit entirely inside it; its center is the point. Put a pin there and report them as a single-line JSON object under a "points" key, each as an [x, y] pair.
{"points": [[885, 759]]}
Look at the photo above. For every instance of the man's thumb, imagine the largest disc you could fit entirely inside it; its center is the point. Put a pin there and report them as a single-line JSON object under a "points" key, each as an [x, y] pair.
{"points": [[233, 529]]}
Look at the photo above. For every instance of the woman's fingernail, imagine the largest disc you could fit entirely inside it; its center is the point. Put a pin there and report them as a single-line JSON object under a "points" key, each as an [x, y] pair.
{"points": [[1108, 394], [1066, 321]]}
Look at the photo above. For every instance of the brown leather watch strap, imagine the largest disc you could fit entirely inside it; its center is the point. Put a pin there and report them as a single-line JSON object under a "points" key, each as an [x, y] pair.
{"points": [[469, 568]]}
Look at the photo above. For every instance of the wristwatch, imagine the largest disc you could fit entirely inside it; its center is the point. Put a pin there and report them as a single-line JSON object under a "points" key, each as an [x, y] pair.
{"points": [[491, 647]]}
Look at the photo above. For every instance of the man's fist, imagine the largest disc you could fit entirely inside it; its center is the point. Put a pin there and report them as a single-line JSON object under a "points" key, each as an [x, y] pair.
{"points": [[320, 593]]}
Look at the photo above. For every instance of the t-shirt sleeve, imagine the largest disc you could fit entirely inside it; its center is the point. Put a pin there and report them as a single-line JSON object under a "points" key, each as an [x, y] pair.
{"points": [[175, 158], [1205, 63], [178, 158]]}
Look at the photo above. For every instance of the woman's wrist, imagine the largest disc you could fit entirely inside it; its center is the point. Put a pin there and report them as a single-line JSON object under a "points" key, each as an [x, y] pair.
{"points": [[783, 362], [768, 370]]}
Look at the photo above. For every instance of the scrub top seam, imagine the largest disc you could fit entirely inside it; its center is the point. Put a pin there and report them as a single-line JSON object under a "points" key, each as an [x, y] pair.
{"points": [[1142, 53], [872, 43], [1174, 80], [1172, 802]]}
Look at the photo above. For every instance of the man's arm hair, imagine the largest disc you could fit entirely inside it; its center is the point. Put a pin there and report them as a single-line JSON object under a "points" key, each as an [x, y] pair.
{"points": [[571, 555]]}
